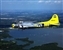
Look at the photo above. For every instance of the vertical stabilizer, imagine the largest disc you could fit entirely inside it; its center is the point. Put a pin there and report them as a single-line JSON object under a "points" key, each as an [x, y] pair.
{"points": [[54, 19]]}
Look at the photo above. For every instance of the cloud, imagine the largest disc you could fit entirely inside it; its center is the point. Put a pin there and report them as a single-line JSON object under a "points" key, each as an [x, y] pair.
{"points": [[47, 1], [40, 1], [50, 1], [57, 1]]}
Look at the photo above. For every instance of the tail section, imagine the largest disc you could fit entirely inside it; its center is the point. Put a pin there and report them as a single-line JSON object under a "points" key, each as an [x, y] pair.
{"points": [[54, 19]]}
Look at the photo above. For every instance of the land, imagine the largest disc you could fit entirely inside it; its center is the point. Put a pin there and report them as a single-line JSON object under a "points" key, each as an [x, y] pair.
{"points": [[49, 46]]}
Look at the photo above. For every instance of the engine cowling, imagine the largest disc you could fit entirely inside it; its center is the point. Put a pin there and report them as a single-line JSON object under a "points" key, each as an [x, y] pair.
{"points": [[39, 25]]}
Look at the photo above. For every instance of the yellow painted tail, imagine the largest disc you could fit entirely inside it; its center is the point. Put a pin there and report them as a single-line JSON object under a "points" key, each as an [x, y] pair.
{"points": [[54, 19]]}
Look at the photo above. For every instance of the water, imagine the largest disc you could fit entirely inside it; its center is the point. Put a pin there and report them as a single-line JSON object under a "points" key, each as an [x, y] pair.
{"points": [[40, 36]]}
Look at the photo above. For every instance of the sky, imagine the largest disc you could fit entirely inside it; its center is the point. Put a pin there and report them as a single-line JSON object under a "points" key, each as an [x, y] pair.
{"points": [[12, 5]]}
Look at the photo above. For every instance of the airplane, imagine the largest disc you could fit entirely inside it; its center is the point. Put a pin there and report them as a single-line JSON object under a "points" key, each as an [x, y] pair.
{"points": [[54, 21]]}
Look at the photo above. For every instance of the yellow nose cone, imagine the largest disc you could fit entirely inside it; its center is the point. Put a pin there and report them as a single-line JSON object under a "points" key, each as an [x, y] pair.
{"points": [[13, 25]]}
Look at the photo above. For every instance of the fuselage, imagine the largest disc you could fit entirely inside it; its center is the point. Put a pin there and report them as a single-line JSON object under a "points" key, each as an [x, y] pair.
{"points": [[22, 24], [54, 21]]}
